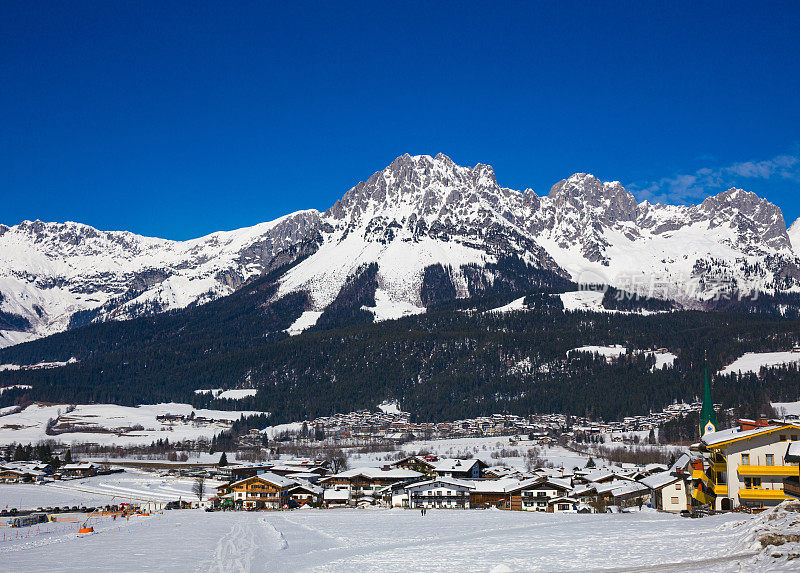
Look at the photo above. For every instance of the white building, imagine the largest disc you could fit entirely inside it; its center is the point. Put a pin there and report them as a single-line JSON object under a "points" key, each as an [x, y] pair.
{"points": [[440, 492], [668, 492], [537, 493]]}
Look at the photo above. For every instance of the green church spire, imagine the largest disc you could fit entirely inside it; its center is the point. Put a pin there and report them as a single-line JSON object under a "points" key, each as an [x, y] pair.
{"points": [[708, 418]]}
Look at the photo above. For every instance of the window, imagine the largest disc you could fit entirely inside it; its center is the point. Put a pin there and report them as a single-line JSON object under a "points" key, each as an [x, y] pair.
{"points": [[752, 483], [770, 459], [782, 437], [678, 486], [745, 459], [794, 437], [563, 507], [541, 494], [675, 501]]}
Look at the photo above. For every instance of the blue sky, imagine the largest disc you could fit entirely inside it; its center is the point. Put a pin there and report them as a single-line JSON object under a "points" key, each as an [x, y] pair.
{"points": [[180, 120]]}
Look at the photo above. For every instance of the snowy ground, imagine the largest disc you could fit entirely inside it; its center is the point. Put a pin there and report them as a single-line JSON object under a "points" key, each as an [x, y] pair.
{"points": [[489, 450], [787, 408], [130, 486], [587, 300], [754, 361], [29, 425], [389, 540]]}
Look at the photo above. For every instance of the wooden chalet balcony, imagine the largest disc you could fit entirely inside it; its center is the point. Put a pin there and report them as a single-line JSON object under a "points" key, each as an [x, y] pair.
{"points": [[719, 467], [721, 489], [769, 470], [762, 494], [791, 486]]}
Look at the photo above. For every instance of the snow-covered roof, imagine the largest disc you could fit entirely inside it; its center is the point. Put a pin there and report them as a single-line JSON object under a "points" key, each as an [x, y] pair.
{"points": [[584, 489], [448, 480], [563, 499], [620, 487], [378, 473], [453, 465], [24, 466], [655, 467], [336, 495], [599, 475], [735, 433], [501, 485], [315, 489], [303, 475], [659, 480], [23, 471], [682, 462], [270, 477], [78, 466], [793, 452]]}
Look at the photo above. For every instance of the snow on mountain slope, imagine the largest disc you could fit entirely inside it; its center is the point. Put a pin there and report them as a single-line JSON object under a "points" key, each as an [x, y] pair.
{"points": [[434, 229], [422, 211], [50, 271], [794, 236], [598, 233]]}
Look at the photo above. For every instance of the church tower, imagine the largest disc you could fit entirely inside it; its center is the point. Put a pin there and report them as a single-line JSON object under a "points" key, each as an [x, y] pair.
{"points": [[708, 418]]}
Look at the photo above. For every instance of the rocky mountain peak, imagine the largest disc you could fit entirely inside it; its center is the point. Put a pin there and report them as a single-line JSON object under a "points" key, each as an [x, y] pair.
{"points": [[757, 220], [583, 190], [417, 217]]}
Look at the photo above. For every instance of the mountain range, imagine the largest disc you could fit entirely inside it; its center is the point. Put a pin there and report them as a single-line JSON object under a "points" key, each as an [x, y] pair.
{"points": [[419, 233]]}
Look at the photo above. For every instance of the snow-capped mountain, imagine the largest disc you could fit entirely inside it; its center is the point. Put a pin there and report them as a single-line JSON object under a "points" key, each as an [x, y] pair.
{"points": [[426, 228], [54, 276]]}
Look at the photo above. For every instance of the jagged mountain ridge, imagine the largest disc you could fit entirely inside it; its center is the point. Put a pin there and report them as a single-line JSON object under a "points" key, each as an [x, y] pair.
{"points": [[420, 214], [57, 275]]}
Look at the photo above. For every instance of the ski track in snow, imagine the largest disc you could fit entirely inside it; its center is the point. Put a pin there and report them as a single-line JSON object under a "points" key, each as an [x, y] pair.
{"points": [[390, 540]]}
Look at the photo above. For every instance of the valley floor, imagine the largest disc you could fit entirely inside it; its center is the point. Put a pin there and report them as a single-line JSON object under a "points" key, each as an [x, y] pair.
{"points": [[392, 540]]}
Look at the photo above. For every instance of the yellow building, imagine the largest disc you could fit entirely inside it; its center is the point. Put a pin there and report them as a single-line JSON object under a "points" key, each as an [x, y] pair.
{"points": [[745, 465]]}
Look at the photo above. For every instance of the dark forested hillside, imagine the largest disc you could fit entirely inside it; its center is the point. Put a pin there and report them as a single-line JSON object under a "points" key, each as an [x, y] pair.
{"points": [[446, 364]]}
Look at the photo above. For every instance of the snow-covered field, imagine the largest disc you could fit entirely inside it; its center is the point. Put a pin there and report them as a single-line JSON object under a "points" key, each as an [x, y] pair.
{"points": [[787, 408], [393, 540], [754, 361], [488, 450], [130, 486], [29, 425], [587, 300]]}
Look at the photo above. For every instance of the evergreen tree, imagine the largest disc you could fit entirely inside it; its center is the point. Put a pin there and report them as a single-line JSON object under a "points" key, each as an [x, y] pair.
{"points": [[19, 453], [223, 460], [68, 457], [590, 463]]}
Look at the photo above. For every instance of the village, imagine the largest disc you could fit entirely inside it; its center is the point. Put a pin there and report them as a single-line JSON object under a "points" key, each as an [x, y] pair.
{"points": [[294, 485], [392, 424], [535, 470], [745, 468]]}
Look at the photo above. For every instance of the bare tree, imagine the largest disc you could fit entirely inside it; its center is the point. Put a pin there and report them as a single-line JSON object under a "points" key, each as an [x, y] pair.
{"points": [[336, 460], [199, 487]]}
